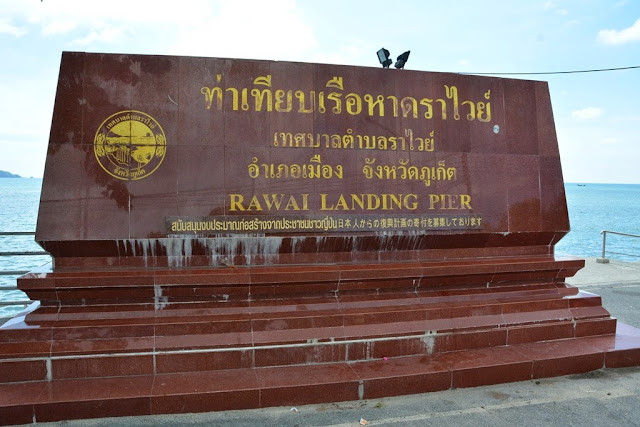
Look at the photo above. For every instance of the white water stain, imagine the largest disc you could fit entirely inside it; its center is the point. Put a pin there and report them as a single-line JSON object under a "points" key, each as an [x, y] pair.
{"points": [[160, 301], [180, 250], [428, 339], [222, 250]]}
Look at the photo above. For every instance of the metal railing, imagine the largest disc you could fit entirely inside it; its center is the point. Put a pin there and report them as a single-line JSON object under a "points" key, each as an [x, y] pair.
{"points": [[23, 303], [604, 259]]}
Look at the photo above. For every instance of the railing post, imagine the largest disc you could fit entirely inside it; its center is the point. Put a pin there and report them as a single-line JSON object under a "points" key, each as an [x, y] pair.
{"points": [[603, 260], [23, 303]]}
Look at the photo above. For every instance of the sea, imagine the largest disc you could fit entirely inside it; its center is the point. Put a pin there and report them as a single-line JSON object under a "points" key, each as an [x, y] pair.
{"points": [[592, 208]]}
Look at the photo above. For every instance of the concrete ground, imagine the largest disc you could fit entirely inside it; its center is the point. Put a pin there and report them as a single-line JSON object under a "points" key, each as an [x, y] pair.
{"points": [[601, 398], [618, 283]]}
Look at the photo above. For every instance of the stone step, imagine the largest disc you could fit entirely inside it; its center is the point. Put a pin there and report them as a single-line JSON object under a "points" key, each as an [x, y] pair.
{"points": [[177, 357], [258, 387], [99, 322], [161, 286], [85, 358], [91, 322]]}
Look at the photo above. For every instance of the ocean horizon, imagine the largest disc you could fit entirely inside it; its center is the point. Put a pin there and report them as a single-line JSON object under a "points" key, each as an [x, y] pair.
{"points": [[593, 207]]}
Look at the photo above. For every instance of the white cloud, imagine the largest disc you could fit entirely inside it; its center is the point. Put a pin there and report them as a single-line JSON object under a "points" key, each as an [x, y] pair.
{"points": [[610, 140], [628, 35], [242, 28], [6, 28], [58, 27], [552, 6], [109, 34], [88, 22], [16, 122], [219, 32], [352, 52], [588, 113]]}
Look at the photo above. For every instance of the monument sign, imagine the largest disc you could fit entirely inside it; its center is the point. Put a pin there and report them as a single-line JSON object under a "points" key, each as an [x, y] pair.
{"points": [[216, 161]]}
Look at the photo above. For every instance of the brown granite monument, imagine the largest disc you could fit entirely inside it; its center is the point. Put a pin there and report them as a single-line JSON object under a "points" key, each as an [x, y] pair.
{"points": [[232, 234]]}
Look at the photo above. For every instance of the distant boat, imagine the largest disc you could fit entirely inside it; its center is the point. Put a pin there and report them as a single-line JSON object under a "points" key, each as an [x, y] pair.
{"points": [[582, 185]]}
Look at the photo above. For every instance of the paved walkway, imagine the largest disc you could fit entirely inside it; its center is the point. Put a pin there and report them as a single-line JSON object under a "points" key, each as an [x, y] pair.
{"points": [[618, 283], [601, 398], [615, 272]]}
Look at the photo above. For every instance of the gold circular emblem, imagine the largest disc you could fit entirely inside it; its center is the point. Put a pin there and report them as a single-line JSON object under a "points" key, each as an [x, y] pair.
{"points": [[130, 145]]}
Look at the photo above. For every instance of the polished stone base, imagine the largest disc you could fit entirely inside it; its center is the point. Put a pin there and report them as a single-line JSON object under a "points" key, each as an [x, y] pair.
{"points": [[272, 344]]}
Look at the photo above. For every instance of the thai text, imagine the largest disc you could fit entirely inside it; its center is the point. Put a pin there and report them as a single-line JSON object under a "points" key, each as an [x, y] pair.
{"points": [[313, 170], [351, 141], [402, 171], [334, 99], [227, 224]]}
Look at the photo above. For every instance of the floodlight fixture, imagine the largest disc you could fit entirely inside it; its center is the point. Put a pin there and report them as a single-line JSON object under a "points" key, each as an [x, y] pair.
{"points": [[402, 59], [383, 57]]}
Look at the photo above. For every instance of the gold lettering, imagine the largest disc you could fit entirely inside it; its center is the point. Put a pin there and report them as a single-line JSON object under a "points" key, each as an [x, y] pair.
{"points": [[449, 201], [356, 200], [342, 203], [433, 199], [465, 201], [323, 203], [452, 201], [273, 201], [255, 204], [373, 202], [281, 101], [370, 202], [270, 202], [413, 205], [393, 199], [291, 204], [236, 202]]}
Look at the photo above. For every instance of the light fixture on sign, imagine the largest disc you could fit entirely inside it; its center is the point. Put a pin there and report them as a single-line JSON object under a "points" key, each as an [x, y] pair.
{"points": [[383, 57], [402, 59]]}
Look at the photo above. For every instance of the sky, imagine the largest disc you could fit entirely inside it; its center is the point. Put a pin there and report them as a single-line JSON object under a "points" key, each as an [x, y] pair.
{"points": [[597, 114]]}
